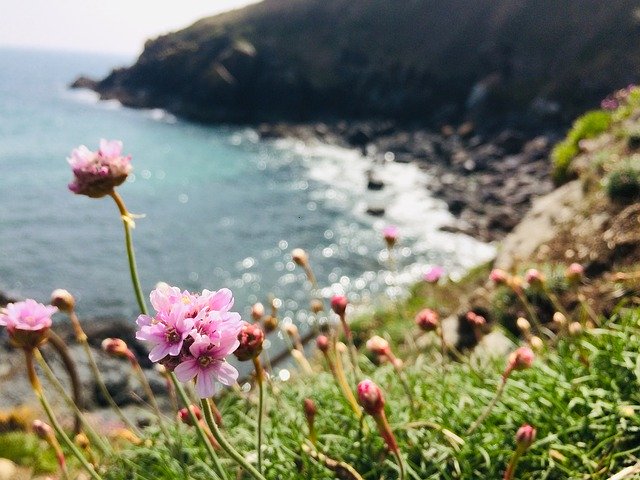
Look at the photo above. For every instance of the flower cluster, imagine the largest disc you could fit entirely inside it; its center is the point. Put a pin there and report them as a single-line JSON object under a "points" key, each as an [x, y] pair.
{"points": [[192, 334], [27, 322], [96, 174]]}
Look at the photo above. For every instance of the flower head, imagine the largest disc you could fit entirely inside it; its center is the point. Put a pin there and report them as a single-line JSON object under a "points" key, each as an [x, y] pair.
{"points": [[251, 338], [434, 274], [390, 234], [525, 436], [300, 257], [118, 348], [257, 311], [499, 276], [322, 342], [574, 272], [339, 304], [370, 397], [378, 345], [533, 277], [427, 319], [184, 417], [27, 322], [474, 319], [63, 300], [96, 174], [521, 359], [316, 305]]}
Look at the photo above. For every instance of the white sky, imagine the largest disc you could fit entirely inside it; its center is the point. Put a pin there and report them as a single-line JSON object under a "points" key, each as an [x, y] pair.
{"points": [[118, 26]]}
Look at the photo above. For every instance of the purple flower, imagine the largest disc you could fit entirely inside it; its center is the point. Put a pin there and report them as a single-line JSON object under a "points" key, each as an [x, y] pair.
{"points": [[98, 173], [434, 274], [166, 332], [207, 362], [27, 322]]}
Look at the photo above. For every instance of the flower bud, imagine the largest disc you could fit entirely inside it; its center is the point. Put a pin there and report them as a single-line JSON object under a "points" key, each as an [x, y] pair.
{"points": [[574, 273], [257, 311], [520, 359], [559, 318], [537, 345], [525, 436], [433, 275], [575, 329], [251, 338], [322, 343], [62, 300], [378, 345], [427, 319], [270, 324], [523, 325], [534, 278], [310, 409], [42, 429], [184, 417], [300, 257], [499, 276], [339, 304], [370, 397], [291, 330], [316, 305], [82, 441], [390, 235], [117, 348], [474, 319]]}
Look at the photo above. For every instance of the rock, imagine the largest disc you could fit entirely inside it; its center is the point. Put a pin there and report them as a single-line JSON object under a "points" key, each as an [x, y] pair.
{"points": [[510, 141], [8, 470], [84, 82]]}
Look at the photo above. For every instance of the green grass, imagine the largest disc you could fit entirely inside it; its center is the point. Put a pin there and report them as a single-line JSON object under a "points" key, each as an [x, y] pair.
{"points": [[583, 397]]}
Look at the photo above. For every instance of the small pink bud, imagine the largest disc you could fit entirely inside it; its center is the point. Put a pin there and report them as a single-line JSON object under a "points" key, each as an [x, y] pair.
{"points": [[310, 409], [63, 300], [533, 277], [520, 359], [117, 348], [184, 417], [322, 343], [574, 272], [427, 319], [370, 397], [499, 276], [378, 345], [42, 429], [339, 304], [433, 275], [474, 319], [257, 311], [251, 338], [391, 234], [300, 257], [525, 436]]}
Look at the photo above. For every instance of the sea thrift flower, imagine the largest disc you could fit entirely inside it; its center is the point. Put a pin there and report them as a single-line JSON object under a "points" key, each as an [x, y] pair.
{"points": [[62, 300], [270, 324], [322, 343], [390, 235], [339, 304], [378, 345], [184, 417], [525, 436], [474, 319], [499, 276], [574, 273], [98, 173], [559, 318], [433, 275], [575, 329], [427, 319], [251, 338], [533, 277], [257, 311], [27, 322], [523, 325], [118, 348], [521, 359], [192, 335], [310, 411]]}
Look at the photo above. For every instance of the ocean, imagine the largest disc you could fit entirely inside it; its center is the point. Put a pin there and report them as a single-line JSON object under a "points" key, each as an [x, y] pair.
{"points": [[222, 208]]}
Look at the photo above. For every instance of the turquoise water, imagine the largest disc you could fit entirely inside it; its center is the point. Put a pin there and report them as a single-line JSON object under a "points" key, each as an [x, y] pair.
{"points": [[221, 207]]}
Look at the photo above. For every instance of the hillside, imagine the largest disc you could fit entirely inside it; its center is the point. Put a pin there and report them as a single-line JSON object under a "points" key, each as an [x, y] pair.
{"points": [[421, 61]]}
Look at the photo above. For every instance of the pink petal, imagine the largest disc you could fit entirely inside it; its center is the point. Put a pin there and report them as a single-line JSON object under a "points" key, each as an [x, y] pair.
{"points": [[204, 385], [226, 373], [187, 370]]}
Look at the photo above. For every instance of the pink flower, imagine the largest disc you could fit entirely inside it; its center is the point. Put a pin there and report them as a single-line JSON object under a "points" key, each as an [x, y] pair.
{"points": [[339, 304], [370, 397], [574, 272], [427, 319], [166, 332], [499, 276], [390, 235], [207, 362], [378, 345], [521, 359], [474, 319], [251, 338], [533, 277], [322, 343], [525, 436], [433, 275], [27, 322], [98, 173]]}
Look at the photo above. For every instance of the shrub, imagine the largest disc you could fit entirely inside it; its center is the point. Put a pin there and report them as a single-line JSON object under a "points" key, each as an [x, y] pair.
{"points": [[589, 125]]}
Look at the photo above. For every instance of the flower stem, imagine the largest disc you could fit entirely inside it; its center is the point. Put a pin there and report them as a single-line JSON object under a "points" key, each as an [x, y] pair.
{"points": [[513, 463], [150, 396], [133, 269], [342, 380], [387, 434], [260, 381], [226, 446], [37, 388], [489, 407], [201, 433], [93, 436]]}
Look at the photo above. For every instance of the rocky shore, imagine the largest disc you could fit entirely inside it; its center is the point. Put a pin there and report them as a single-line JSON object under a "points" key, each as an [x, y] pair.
{"points": [[488, 180]]}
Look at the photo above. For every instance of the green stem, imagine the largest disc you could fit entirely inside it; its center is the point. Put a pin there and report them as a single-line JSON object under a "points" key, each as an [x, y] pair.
{"points": [[149, 393], [530, 310], [226, 446], [259, 380], [489, 407], [196, 423], [133, 269], [37, 388], [93, 436], [342, 380], [513, 463]]}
